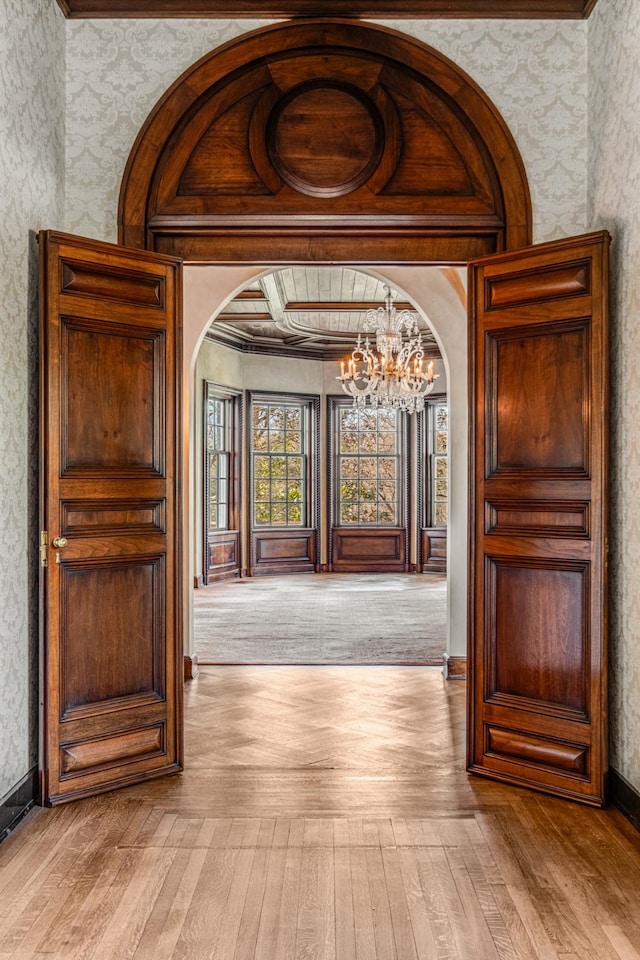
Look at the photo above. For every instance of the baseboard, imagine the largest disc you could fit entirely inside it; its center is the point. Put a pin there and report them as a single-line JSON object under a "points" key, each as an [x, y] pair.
{"points": [[625, 797], [198, 581], [191, 667], [454, 668], [18, 802]]}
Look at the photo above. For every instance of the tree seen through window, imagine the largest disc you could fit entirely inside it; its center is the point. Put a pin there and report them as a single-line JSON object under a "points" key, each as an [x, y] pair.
{"points": [[279, 464], [368, 466]]}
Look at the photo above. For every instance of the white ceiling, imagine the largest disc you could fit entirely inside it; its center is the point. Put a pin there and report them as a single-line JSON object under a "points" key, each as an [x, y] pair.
{"points": [[316, 309]]}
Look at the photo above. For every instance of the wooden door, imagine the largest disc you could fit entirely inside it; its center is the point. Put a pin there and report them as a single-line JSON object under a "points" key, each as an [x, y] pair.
{"points": [[112, 648], [539, 411]]}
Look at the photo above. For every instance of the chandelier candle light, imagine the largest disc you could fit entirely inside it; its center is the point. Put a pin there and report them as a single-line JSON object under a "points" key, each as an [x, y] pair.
{"points": [[394, 374]]}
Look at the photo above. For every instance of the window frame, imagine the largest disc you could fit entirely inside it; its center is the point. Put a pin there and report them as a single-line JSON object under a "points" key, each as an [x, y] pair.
{"points": [[233, 406], [403, 474], [428, 458], [310, 431]]}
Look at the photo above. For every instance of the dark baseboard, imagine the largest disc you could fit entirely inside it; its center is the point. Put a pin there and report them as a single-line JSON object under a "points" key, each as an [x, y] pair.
{"points": [[18, 802], [625, 797], [191, 667], [454, 668]]}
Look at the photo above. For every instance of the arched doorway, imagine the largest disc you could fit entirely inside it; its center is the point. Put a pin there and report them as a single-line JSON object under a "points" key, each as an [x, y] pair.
{"points": [[330, 141]]}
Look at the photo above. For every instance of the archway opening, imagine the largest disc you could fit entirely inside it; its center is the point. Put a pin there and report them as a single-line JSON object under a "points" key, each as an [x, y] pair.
{"points": [[331, 141]]}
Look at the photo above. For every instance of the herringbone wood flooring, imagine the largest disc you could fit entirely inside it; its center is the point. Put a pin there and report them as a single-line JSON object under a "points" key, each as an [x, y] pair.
{"points": [[324, 813]]}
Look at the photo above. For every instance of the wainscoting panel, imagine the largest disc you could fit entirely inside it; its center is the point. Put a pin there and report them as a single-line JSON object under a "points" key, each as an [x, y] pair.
{"points": [[223, 562], [434, 550], [377, 550], [283, 551]]}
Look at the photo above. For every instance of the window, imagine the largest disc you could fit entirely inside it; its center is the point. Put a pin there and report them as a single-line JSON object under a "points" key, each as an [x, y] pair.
{"points": [[438, 449], [217, 457], [279, 458], [369, 444]]}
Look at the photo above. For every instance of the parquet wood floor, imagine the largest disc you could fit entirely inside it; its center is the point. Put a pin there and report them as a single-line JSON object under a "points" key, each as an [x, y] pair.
{"points": [[324, 815]]}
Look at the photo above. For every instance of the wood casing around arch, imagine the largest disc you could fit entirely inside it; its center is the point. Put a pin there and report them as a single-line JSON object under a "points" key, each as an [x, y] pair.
{"points": [[325, 140]]}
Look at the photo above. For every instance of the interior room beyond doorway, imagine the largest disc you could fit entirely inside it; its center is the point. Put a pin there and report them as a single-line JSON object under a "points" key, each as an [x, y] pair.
{"points": [[438, 293]]}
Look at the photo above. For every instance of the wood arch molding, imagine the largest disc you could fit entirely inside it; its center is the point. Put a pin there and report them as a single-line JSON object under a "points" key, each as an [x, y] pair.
{"points": [[325, 140]]}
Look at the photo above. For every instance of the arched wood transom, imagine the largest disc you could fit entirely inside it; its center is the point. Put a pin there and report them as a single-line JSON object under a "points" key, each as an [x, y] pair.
{"points": [[320, 141]]}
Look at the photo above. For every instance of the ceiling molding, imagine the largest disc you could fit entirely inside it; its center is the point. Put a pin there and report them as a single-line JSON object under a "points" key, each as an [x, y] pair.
{"points": [[300, 350], [393, 9]]}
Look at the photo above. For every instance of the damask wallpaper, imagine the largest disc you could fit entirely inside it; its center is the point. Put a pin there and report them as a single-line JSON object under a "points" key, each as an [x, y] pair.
{"points": [[614, 204], [31, 196], [535, 72]]}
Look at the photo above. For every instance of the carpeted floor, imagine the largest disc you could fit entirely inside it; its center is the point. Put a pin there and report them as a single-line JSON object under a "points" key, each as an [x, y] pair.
{"points": [[323, 618]]}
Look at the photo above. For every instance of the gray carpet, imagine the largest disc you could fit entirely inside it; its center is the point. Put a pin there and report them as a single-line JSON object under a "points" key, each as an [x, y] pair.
{"points": [[323, 618]]}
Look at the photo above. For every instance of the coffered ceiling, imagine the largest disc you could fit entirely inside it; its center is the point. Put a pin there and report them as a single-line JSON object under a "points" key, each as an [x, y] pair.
{"points": [[302, 311], [518, 9]]}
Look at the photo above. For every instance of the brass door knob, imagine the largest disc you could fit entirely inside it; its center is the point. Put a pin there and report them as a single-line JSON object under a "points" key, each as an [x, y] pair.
{"points": [[60, 542]]}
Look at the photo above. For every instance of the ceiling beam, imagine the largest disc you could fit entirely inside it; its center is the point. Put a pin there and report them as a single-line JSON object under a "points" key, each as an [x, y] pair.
{"points": [[337, 306], [251, 295], [244, 318], [426, 9]]}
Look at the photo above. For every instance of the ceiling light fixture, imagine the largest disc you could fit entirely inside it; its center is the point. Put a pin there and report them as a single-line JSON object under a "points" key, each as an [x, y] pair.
{"points": [[394, 374]]}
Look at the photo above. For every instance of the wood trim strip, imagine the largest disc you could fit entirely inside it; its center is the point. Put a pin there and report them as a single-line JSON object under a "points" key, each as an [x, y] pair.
{"points": [[17, 802], [191, 667], [625, 797], [428, 9], [454, 668]]}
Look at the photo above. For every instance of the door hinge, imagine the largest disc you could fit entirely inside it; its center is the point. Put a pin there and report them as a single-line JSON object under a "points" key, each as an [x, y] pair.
{"points": [[44, 540]]}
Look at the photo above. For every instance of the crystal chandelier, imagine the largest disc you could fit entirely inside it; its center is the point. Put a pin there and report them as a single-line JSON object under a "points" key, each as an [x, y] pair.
{"points": [[394, 374]]}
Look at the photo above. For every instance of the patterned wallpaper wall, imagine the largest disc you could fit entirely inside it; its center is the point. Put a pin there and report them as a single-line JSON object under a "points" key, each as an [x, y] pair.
{"points": [[614, 203], [535, 72], [31, 197]]}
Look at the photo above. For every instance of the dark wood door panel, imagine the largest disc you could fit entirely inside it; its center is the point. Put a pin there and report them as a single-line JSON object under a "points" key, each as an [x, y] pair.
{"points": [[117, 517], [98, 283], [112, 638], [551, 434], [114, 421], [541, 605], [112, 647], [539, 386]]}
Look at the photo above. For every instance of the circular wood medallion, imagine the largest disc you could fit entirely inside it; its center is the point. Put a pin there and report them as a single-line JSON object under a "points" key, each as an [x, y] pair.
{"points": [[325, 139]]}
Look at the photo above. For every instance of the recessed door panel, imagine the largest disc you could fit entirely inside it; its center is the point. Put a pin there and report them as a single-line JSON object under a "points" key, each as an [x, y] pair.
{"points": [[537, 418], [538, 641], [113, 388], [113, 633]]}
